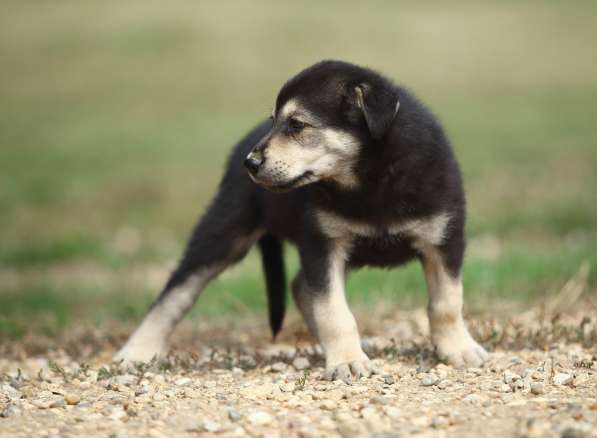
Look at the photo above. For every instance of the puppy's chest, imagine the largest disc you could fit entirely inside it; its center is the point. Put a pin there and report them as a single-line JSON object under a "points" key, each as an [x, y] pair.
{"points": [[372, 236]]}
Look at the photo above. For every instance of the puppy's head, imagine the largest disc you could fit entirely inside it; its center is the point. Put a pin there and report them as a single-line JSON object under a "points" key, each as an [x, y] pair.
{"points": [[323, 119]]}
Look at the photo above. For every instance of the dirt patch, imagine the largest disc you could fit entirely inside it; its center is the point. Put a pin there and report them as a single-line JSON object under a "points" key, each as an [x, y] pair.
{"points": [[225, 379]]}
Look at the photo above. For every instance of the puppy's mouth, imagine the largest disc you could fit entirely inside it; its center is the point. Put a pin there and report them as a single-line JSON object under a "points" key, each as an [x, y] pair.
{"points": [[285, 186]]}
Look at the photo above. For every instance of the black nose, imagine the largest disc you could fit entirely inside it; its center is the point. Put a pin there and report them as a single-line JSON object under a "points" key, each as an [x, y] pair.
{"points": [[253, 163]]}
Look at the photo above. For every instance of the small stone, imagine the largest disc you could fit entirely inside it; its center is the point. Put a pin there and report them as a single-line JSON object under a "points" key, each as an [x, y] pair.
{"points": [[209, 384], [10, 392], [420, 421], [328, 405], [441, 373], [429, 379], [48, 402], [287, 387], [257, 391], [510, 377], [562, 379], [444, 384], [233, 415], [392, 412], [379, 400], [159, 379], [388, 379], [473, 399], [72, 399], [504, 388], [572, 432], [10, 411], [537, 388], [183, 381], [117, 414], [211, 426], [259, 418], [475, 371], [158, 396], [247, 361], [517, 403], [440, 422], [124, 379], [370, 414], [279, 367], [301, 363], [580, 380]]}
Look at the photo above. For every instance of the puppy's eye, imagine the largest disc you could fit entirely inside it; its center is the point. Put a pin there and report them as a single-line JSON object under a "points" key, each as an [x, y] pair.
{"points": [[295, 126]]}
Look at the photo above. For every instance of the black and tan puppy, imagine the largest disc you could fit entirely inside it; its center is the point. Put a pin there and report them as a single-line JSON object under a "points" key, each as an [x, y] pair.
{"points": [[354, 171]]}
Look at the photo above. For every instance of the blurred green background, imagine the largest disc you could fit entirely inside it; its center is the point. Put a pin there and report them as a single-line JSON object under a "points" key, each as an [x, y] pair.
{"points": [[116, 118]]}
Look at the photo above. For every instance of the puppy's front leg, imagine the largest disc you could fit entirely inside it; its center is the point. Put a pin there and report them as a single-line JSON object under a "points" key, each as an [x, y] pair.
{"points": [[319, 294], [449, 334]]}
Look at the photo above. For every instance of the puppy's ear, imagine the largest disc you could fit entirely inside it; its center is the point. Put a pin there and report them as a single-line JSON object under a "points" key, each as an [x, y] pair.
{"points": [[377, 104]]}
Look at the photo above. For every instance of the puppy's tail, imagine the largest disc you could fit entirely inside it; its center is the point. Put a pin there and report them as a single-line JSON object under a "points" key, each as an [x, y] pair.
{"points": [[275, 280]]}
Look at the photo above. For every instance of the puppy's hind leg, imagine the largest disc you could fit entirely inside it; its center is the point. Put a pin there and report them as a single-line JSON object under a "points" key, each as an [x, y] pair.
{"points": [[222, 237]]}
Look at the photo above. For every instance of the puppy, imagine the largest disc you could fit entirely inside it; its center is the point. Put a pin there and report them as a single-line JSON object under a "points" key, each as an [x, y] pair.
{"points": [[353, 170]]}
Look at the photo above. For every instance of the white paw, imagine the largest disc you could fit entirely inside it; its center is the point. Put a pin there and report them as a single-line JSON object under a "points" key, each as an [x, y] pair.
{"points": [[133, 352], [347, 370], [458, 348]]}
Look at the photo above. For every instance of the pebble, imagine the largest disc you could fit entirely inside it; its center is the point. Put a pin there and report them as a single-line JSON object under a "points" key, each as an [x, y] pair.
{"points": [[233, 415], [510, 377], [259, 418], [209, 384], [580, 380], [328, 405], [429, 379], [158, 396], [279, 366], [301, 363], [257, 391], [440, 422], [72, 399], [562, 379], [10, 392], [537, 388], [421, 421], [392, 412], [10, 411], [183, 381], [388, 379], [48, 402], [370, 414], [473, 399], [211, 426], [379, 400], [444, 384], [124, 379]]}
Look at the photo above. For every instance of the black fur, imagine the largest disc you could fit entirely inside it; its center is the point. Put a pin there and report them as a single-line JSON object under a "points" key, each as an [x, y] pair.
{"points": [[406, 170]]}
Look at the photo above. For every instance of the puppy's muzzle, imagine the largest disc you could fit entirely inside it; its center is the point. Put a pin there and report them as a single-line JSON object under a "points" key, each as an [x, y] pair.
{"points": [[253, 163]]}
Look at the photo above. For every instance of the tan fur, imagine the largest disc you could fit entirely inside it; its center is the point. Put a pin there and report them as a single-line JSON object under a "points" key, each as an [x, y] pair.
{"points": [[325, 153], [425, 231], [448, 331]]}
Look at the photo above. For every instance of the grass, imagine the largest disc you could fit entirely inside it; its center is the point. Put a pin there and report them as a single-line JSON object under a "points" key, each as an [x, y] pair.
{"points": [[116, 119]]}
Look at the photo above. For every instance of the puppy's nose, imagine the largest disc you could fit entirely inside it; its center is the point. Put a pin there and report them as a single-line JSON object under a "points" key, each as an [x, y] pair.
{"points": [[253, 163]]}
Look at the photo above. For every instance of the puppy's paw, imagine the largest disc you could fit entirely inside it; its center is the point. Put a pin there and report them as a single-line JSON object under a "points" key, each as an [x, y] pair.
{"points": [[458, 348], [347, 370], [132, 353]]}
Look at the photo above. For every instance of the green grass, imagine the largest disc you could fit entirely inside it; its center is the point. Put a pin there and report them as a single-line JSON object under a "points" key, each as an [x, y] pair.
{"points": [[116, 119]]}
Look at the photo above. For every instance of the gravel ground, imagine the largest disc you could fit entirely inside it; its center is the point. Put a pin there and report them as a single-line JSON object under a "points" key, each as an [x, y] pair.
{"points": [[541, 381]]}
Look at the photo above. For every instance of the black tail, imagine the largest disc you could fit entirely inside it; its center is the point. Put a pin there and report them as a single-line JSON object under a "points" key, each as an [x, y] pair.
{"points": [[275, 280]]}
